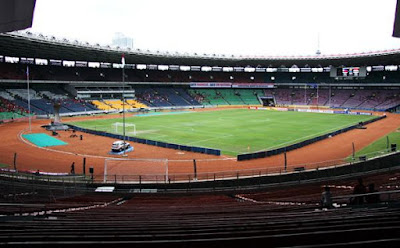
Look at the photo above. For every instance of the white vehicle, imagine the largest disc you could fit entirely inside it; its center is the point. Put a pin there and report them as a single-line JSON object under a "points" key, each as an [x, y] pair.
{"points": [[120, 145]]}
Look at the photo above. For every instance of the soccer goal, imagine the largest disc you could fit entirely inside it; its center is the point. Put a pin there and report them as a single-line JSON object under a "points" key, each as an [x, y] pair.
{"points": [[130, 128], [121, 170]]}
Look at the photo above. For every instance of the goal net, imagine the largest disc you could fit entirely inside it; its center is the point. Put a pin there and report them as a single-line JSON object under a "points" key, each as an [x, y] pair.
{"points": [[122, 170], [130, 128]]}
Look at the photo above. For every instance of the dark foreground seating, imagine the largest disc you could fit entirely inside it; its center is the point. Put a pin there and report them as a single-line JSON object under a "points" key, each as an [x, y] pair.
{"points": [[280, 217]]}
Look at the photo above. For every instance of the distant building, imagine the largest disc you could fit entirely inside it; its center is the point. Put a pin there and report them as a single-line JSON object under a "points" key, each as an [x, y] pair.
{"points": [[122, 41]]}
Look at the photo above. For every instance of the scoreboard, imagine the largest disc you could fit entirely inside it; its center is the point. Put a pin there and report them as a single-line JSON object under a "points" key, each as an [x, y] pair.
{"points": [[348, 72]]}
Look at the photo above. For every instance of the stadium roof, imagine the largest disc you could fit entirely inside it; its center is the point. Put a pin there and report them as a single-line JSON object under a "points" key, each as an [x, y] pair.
{"points": [[28, 45]]}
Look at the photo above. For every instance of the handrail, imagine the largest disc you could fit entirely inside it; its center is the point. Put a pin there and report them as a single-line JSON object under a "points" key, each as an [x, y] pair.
{"points": [[22, 204], [366, 194]]}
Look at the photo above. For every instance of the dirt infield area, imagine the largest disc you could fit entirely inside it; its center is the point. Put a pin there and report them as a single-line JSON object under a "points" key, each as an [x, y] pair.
{"points": [[95, 149]]}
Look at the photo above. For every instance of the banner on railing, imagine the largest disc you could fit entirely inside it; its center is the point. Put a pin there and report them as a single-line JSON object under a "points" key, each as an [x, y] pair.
{"points": [[210, 85], [233, 85], [315, 111], [253, 85]]}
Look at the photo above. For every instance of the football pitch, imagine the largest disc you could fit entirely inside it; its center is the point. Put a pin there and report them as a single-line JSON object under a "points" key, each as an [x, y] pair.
{"points": [[233, 131]]}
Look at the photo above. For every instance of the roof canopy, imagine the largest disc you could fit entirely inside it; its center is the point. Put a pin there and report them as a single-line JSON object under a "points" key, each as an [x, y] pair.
{"points": [[25, 44]]}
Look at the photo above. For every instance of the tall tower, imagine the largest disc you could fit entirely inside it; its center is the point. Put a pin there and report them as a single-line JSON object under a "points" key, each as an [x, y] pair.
{"points": [[122, 41], [318, 51]]}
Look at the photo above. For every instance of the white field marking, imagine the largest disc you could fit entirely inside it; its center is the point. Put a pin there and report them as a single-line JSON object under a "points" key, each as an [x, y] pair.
{"points": [[112, 130], [233, 117], [175, 127], [180, 128], [245, 150], [155, 137], [263, 120], [106, 157], [165, 113], [226, 117], [189, 124], [280, 145], [311, 135], [220, 137], [147, 131]]}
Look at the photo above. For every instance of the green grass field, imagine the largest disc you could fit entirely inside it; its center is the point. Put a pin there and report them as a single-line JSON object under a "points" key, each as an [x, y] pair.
{"points": [[232, 131], [3, 165], [379, 147]]}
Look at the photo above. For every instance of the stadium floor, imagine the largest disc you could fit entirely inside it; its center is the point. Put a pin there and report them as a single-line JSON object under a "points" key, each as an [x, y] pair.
{"points": [[95, 148]]}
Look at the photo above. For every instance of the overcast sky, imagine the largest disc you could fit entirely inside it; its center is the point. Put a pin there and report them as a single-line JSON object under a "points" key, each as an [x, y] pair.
{"points": [[250, 27]]}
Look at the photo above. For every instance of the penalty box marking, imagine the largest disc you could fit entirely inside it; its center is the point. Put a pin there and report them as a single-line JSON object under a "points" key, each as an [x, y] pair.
{"points": [[308, 136]]}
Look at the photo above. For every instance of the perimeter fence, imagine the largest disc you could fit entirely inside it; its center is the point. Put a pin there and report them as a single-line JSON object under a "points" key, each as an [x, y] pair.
{"points": [[164, 171]]}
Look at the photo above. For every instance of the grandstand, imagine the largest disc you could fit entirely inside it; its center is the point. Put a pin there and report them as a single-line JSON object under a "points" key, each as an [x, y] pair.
{"points": [[356, 98], [136, 104], [377, 91], [283, 216], [102, 105], [46, 205]]}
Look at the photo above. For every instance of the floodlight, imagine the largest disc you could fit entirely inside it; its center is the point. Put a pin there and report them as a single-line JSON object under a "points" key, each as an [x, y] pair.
{"points": [[8, 59], [249, 69], [227, 69], [141, 67], [184, 68], [206, 68], [163, 67]]}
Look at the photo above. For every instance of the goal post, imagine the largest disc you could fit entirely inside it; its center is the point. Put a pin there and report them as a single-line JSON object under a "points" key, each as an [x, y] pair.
{"points": [[117, 127], [135, 170]]}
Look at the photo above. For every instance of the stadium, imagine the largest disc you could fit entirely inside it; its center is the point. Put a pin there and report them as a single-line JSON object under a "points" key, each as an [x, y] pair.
{"points": [[223, 149]]}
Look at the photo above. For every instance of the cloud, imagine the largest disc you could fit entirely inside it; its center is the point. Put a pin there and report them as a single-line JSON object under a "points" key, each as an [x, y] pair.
{"points": [[231, 27]]}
